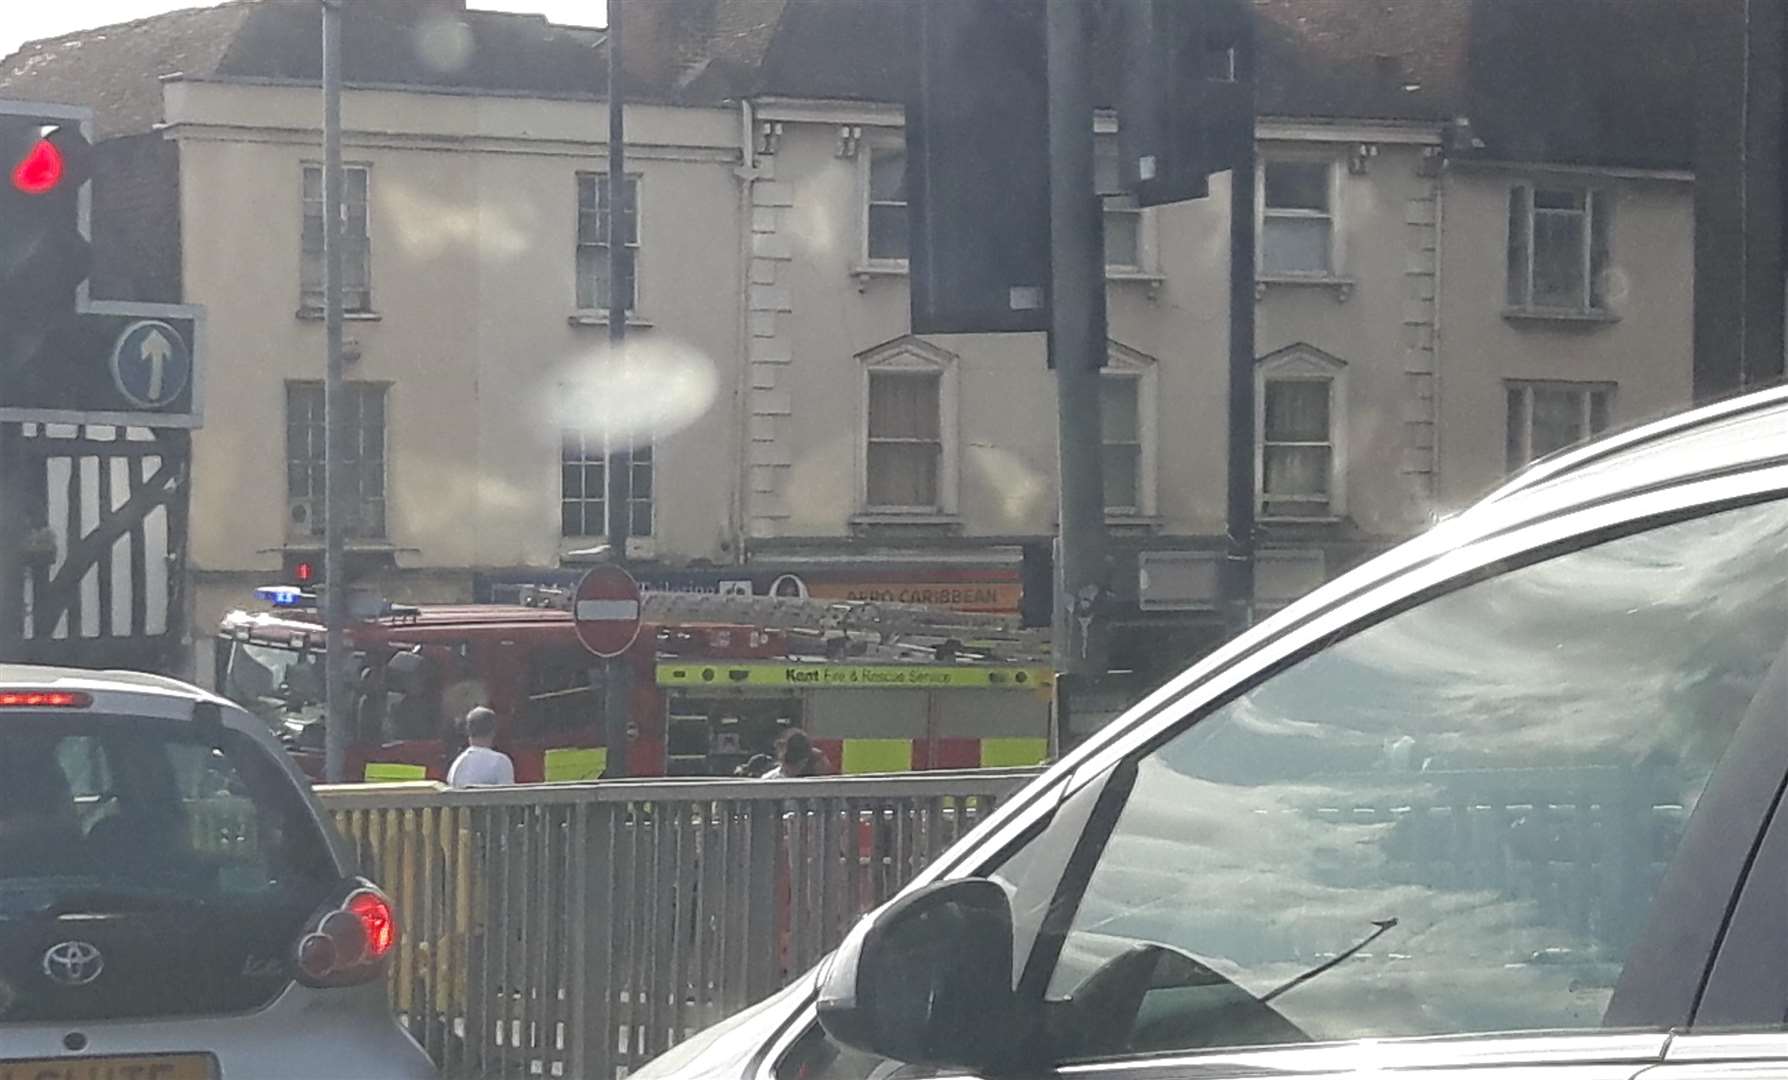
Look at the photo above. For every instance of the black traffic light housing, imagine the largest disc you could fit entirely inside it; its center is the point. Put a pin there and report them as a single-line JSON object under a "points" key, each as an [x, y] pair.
{"points": [[304, 567], [1186, 105], [44, 252], [978, 167]]}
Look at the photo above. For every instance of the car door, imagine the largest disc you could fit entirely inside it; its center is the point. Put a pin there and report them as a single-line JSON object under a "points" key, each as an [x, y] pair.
{"points": [[1441, 837]]}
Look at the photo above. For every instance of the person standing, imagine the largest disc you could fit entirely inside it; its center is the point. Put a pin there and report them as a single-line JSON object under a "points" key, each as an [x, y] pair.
{"points": [[480, 764]]}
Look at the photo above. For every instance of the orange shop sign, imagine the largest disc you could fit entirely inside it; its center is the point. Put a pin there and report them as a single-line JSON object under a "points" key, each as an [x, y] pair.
{"points": [[996, 597]]}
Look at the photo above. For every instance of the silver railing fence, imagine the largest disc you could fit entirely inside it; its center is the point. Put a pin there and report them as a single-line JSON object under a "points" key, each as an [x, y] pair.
{"points": [[579, 930]]}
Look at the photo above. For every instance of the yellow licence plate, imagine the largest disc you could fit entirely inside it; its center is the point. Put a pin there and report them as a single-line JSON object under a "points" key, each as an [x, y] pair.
{"points": [[159, 1067]]}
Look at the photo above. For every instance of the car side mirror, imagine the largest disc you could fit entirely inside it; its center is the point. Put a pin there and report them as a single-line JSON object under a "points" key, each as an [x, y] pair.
{"points": [[928, 980]]}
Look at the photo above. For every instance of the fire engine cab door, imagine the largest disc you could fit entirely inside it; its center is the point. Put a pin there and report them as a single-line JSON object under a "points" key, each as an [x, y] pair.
{"points": [[407, 736], [559, 731]]}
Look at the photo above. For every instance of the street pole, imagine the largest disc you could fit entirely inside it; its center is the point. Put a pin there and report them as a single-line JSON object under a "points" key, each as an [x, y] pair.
{"points": [[1238, 579], [1077, 346], [617, 452], [12, 533], [337, 723]]}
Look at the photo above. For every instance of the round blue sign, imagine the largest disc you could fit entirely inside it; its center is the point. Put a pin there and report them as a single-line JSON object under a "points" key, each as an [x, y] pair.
{"points": [[151, 364]]}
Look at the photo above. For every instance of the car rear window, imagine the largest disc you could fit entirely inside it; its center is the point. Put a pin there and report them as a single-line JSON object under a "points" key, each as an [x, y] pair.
{"points": [[149, 806]]}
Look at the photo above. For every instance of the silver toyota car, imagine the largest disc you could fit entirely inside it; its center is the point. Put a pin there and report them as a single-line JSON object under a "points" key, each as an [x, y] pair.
{"points": [[173, 904], [1507, 803]]}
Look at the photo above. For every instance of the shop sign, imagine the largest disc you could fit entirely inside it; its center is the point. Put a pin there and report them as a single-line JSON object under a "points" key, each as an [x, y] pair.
{"points": [[858, 676]]}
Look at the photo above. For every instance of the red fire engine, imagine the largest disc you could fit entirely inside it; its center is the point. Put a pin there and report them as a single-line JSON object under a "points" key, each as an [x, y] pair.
{"points": [[712, 681]]}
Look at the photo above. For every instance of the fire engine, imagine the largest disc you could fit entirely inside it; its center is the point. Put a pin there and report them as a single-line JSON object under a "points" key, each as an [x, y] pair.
{"points": [[712, 681]]}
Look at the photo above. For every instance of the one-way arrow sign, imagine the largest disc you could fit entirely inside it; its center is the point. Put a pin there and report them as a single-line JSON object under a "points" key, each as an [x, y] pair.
{"points": [[150, 364]]}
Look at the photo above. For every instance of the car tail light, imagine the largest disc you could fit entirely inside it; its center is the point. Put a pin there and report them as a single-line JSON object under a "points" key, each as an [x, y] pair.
{"points": [[349, 940], [44, 699], [377, 921]]}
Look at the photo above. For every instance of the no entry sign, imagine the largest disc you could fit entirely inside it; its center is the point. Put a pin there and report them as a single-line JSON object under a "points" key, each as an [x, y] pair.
{"points": [[606, 609]]}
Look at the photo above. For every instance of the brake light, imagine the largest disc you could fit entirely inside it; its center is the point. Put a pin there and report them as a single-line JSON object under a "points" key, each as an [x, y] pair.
{"points": [[348, 942], [44, 699], [377, 921]]}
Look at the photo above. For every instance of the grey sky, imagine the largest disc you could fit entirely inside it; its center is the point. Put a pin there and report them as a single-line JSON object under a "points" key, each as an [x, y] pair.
{"points": [[22, 21]]}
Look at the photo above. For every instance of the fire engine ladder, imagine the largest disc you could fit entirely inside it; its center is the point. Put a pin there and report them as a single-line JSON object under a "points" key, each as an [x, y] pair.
{"points": [[846, 628], [859, 628]]}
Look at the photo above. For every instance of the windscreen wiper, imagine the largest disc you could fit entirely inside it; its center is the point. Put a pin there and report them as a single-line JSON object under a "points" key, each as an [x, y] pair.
{"points": [[1384, 927]]}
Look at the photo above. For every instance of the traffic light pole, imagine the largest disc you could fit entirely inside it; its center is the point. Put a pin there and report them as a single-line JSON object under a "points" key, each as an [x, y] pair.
{"points": [[336, 728], [617, 454], [12, 530], [1238, 577], [1077, 345]]}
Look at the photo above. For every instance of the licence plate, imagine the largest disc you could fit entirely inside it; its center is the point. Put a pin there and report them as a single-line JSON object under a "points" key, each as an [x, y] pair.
{"points": [[158, 1067]]}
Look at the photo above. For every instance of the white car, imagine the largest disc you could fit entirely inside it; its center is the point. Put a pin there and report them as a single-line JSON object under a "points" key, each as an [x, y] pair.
{"points": [[173, 902], [1507, 803]]}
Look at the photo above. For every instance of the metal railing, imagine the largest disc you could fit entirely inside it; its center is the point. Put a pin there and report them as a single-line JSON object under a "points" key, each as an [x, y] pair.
{"points": [[580, 930]]}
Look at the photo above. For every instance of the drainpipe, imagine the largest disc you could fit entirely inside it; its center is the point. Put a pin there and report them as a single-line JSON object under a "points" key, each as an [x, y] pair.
{"points": [[741, 420]]}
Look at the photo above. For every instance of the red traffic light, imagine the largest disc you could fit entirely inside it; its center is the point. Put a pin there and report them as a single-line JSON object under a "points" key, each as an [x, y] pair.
{"points": [[304, 572], [49, 159], [40, 170]]}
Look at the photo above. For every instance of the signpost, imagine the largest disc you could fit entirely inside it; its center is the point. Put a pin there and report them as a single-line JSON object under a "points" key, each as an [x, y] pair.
{"points": [[606, 609], [122, 363]]}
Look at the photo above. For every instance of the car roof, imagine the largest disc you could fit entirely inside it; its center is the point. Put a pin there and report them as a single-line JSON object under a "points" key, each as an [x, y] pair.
{"points": [[1733, 435], [1738, 432], [137, 691], [421, 616]]}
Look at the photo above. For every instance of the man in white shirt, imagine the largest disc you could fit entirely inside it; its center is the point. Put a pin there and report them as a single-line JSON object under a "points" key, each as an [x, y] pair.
{"points": [[478, 765]]}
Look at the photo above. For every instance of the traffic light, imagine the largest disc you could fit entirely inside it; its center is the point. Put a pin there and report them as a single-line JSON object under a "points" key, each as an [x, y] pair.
{"points": [[304, 569], [1186, 104], [977, 167], [44, 253], [65, 359]]}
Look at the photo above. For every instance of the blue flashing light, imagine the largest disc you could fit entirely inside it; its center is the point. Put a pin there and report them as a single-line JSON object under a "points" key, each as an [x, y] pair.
{"points": [[281, 595]]}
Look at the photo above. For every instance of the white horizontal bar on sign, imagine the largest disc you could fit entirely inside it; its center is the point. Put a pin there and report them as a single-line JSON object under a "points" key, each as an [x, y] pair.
{"points": [[607, 610]]}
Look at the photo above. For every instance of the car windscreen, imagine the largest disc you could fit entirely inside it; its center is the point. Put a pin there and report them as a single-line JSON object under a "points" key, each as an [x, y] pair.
{"points": [[273, 682], [114, 807]]}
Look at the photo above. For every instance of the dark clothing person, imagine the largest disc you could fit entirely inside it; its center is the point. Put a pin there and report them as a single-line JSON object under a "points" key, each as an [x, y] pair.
{"points": [[797, 757]]}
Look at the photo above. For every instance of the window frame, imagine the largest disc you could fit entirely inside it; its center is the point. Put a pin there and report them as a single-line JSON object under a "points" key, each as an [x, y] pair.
{"points": [[907, 357], [1593, 259], [1303, 363], [1263, 213], [599, 179], [294, 535], [1334, 612], [1123, 362], [305, 307], [882, 141], [649, 446], [1586, 391]]}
